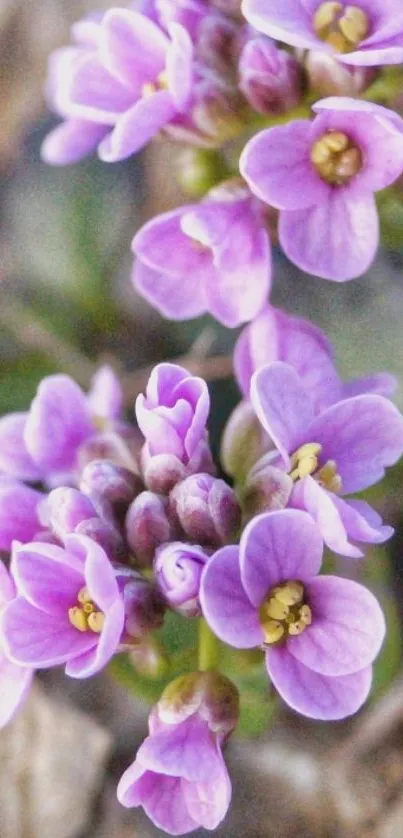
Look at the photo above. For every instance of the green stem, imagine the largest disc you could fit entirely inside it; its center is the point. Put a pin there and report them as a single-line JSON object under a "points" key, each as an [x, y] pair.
{"points": [[209, 648]]}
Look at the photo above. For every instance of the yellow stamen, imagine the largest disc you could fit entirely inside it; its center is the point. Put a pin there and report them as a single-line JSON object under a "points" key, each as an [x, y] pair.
{"points": [[336, 158], [284, 613], [78, 619], [148, 89], [96, 621], [305, 460], [342, 27]]}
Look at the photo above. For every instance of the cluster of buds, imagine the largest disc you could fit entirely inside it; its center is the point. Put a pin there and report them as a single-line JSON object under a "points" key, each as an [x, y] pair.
{"points": [[108, 525]]}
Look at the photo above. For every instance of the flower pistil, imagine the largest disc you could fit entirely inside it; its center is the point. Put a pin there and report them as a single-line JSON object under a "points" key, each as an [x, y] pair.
{"points": [[85, 616]]}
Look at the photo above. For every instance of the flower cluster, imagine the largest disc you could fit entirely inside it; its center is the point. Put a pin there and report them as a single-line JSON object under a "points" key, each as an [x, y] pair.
{"points": [[109, 525]]}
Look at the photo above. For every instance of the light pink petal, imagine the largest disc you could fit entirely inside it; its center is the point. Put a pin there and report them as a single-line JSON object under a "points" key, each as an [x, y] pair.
{"points": [[57, 424], [314, 499], [7, 586], [208, 802], [38, 640], [132, 48], [163, 801], [15, 682], [225, 604], [346, 223], [170, 295], [99, 575], [283, 20], [45, 580], [276, 164], [314, 695], [347, 631], [187, 750], [282, 405], [15, 459], [135, 128], [278, 547], [361, 522], [94, 94], [71, 141], [105, 396], [363, 435], [18, 513], [381, 383], [179, 65]]}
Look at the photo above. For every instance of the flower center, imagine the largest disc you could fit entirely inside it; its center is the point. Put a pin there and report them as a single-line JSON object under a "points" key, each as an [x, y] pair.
{"points": [[284, 613], [150, 87], [336, 158], [305, 462], [343, 27], [84, 616]]}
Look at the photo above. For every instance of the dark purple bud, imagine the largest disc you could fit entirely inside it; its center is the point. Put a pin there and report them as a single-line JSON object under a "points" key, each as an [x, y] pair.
{"points": [[109, 446], [106, 535], [161, 472], [207, 509], [148, 525], [270, 78], [266, 488], [178, 568], [329, 77], [144, 605], [65, 509], [115, 484]]}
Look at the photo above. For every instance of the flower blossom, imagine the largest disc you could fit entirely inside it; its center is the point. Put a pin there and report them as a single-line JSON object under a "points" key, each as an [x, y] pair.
{"points": [[172, 416], [68, 610], [275, 335], [322, 176], [179, 775], [15, 680], [320, 633], [178, 568], [122, 81], [342, 450], [44, 443], [362, 32], [213, 256]]}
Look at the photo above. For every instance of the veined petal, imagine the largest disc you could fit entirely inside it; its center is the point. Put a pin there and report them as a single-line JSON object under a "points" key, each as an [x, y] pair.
{"points": [[225, 604]]}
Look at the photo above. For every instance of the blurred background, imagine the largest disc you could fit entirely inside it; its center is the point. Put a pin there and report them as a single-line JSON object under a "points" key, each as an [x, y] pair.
{"points": [[67, 304]]}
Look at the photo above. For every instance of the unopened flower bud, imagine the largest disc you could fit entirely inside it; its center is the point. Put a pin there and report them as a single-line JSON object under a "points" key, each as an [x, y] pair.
{"points": [[119, 449], [213, 696], [207, 509], [162, 471], [148, 525], [66, 508], [148, 658], [266, 488], [115, 484], [329, 77], [106, 535], [244, 441], [270, 78], [178, 568], [144, 604]]}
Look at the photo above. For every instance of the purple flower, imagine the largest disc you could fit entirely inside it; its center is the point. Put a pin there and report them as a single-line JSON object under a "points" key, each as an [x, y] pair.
{"points": [[213, 256], [321, 175], [69, 609], [270, 78], [178, 569], [122, 82], [172, 416], [277, 336], [15, 680], [365, 32], [320, 634], [43, 444], [66, 510], [344, 449], [179, 775]]}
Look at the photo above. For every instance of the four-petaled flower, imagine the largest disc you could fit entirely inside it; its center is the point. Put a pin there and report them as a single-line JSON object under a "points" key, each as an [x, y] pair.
{"points": [[322, 176], [361, 32], [320, 633], [342, 450]]}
